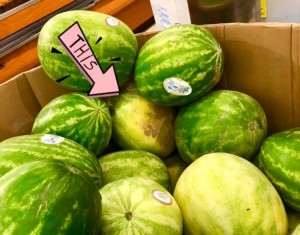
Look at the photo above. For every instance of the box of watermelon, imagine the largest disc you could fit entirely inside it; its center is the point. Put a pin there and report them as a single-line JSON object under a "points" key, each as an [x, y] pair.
{"points": [[260, 59], [194, 129]]}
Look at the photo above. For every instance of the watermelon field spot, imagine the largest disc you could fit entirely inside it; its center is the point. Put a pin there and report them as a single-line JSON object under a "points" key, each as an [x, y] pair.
{"points": [[77, 47]]}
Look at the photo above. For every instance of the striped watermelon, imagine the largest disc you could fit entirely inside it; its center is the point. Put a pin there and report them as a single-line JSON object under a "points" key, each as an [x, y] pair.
{"points": [[293, 221], [139, 124], [22, 149], [128, 163], [112, 42], [48, 197], [279, 159], [221, 193], [221, 121], [138, 205], [178, 65], [77, 117]]}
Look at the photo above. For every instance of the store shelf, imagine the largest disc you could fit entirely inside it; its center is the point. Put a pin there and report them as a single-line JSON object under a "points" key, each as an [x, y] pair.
{"points": [[17, 36], [29, 15]]}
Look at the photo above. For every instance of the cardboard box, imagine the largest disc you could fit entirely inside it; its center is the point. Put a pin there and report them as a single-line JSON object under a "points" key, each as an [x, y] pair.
{"points": [[261, 59]]}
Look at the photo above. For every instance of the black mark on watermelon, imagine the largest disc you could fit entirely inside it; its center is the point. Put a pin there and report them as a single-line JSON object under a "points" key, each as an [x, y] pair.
{"points": [[55, 51], [115, 59], [99, 39], [63, 78]]}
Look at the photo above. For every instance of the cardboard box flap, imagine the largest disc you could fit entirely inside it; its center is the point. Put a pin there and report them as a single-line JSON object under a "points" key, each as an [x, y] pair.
{"points": [[44, 88], [258, 63], [21, 99], [18, 107]]}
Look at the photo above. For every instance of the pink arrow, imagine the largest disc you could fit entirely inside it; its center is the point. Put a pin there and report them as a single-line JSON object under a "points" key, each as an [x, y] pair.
{"points": [[78, 48], [107, 85]]}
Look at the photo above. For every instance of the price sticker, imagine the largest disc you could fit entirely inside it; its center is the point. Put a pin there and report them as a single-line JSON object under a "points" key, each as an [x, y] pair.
{"points": [[263, 9]]}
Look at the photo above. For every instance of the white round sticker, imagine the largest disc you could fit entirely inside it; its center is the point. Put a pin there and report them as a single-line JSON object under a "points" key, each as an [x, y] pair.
{"points": [[177, 86], [52, 139], [112, 21], [161, 197]]}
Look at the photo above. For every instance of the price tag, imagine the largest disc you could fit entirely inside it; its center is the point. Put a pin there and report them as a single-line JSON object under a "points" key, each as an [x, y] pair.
{"points": [[263, 9]]}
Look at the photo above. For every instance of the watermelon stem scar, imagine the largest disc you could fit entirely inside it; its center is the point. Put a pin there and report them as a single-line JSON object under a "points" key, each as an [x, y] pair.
{"points": [[128, 215]]}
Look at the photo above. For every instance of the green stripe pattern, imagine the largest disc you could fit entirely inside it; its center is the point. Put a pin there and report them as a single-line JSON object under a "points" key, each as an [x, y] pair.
{"points": [[48, 197], [129, 163], [221, 121], [22, 149], [187, 52], [118, 41], [77, 117], [129, 207], [221, 193], [279, 159]]}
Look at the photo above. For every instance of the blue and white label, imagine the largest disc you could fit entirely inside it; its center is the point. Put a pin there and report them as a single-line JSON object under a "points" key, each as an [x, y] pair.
{"points": [[161, 197], [177, 86], [52, 139]]}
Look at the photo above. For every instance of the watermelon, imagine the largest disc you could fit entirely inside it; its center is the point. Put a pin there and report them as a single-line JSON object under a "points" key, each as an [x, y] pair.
{"points": [[296, 230], [178, 65], [137, 205], [222, 193], [221, 121], [111, 41], [279, 159], [77, 117], [22, 149], [293, 221], [139, 124], [48, 197], [128, 163], [175, 166]]}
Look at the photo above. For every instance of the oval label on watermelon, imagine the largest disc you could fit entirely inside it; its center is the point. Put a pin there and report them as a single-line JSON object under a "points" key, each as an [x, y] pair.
{"points": [[112, 21], [52, 139], [177, 86], [161, 197]]}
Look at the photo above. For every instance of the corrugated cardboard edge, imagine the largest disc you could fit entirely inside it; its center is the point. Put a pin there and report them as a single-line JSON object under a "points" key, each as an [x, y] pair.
{"points": [[18, 107], [295, 68], [261, 59], [21, 99]]}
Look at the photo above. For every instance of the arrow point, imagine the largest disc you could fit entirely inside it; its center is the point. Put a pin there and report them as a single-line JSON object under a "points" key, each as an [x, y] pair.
{"points": [[105, 86]]}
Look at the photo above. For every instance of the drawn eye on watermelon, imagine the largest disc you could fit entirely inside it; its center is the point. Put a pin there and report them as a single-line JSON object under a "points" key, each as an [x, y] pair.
{"points": [[111, 41]]}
